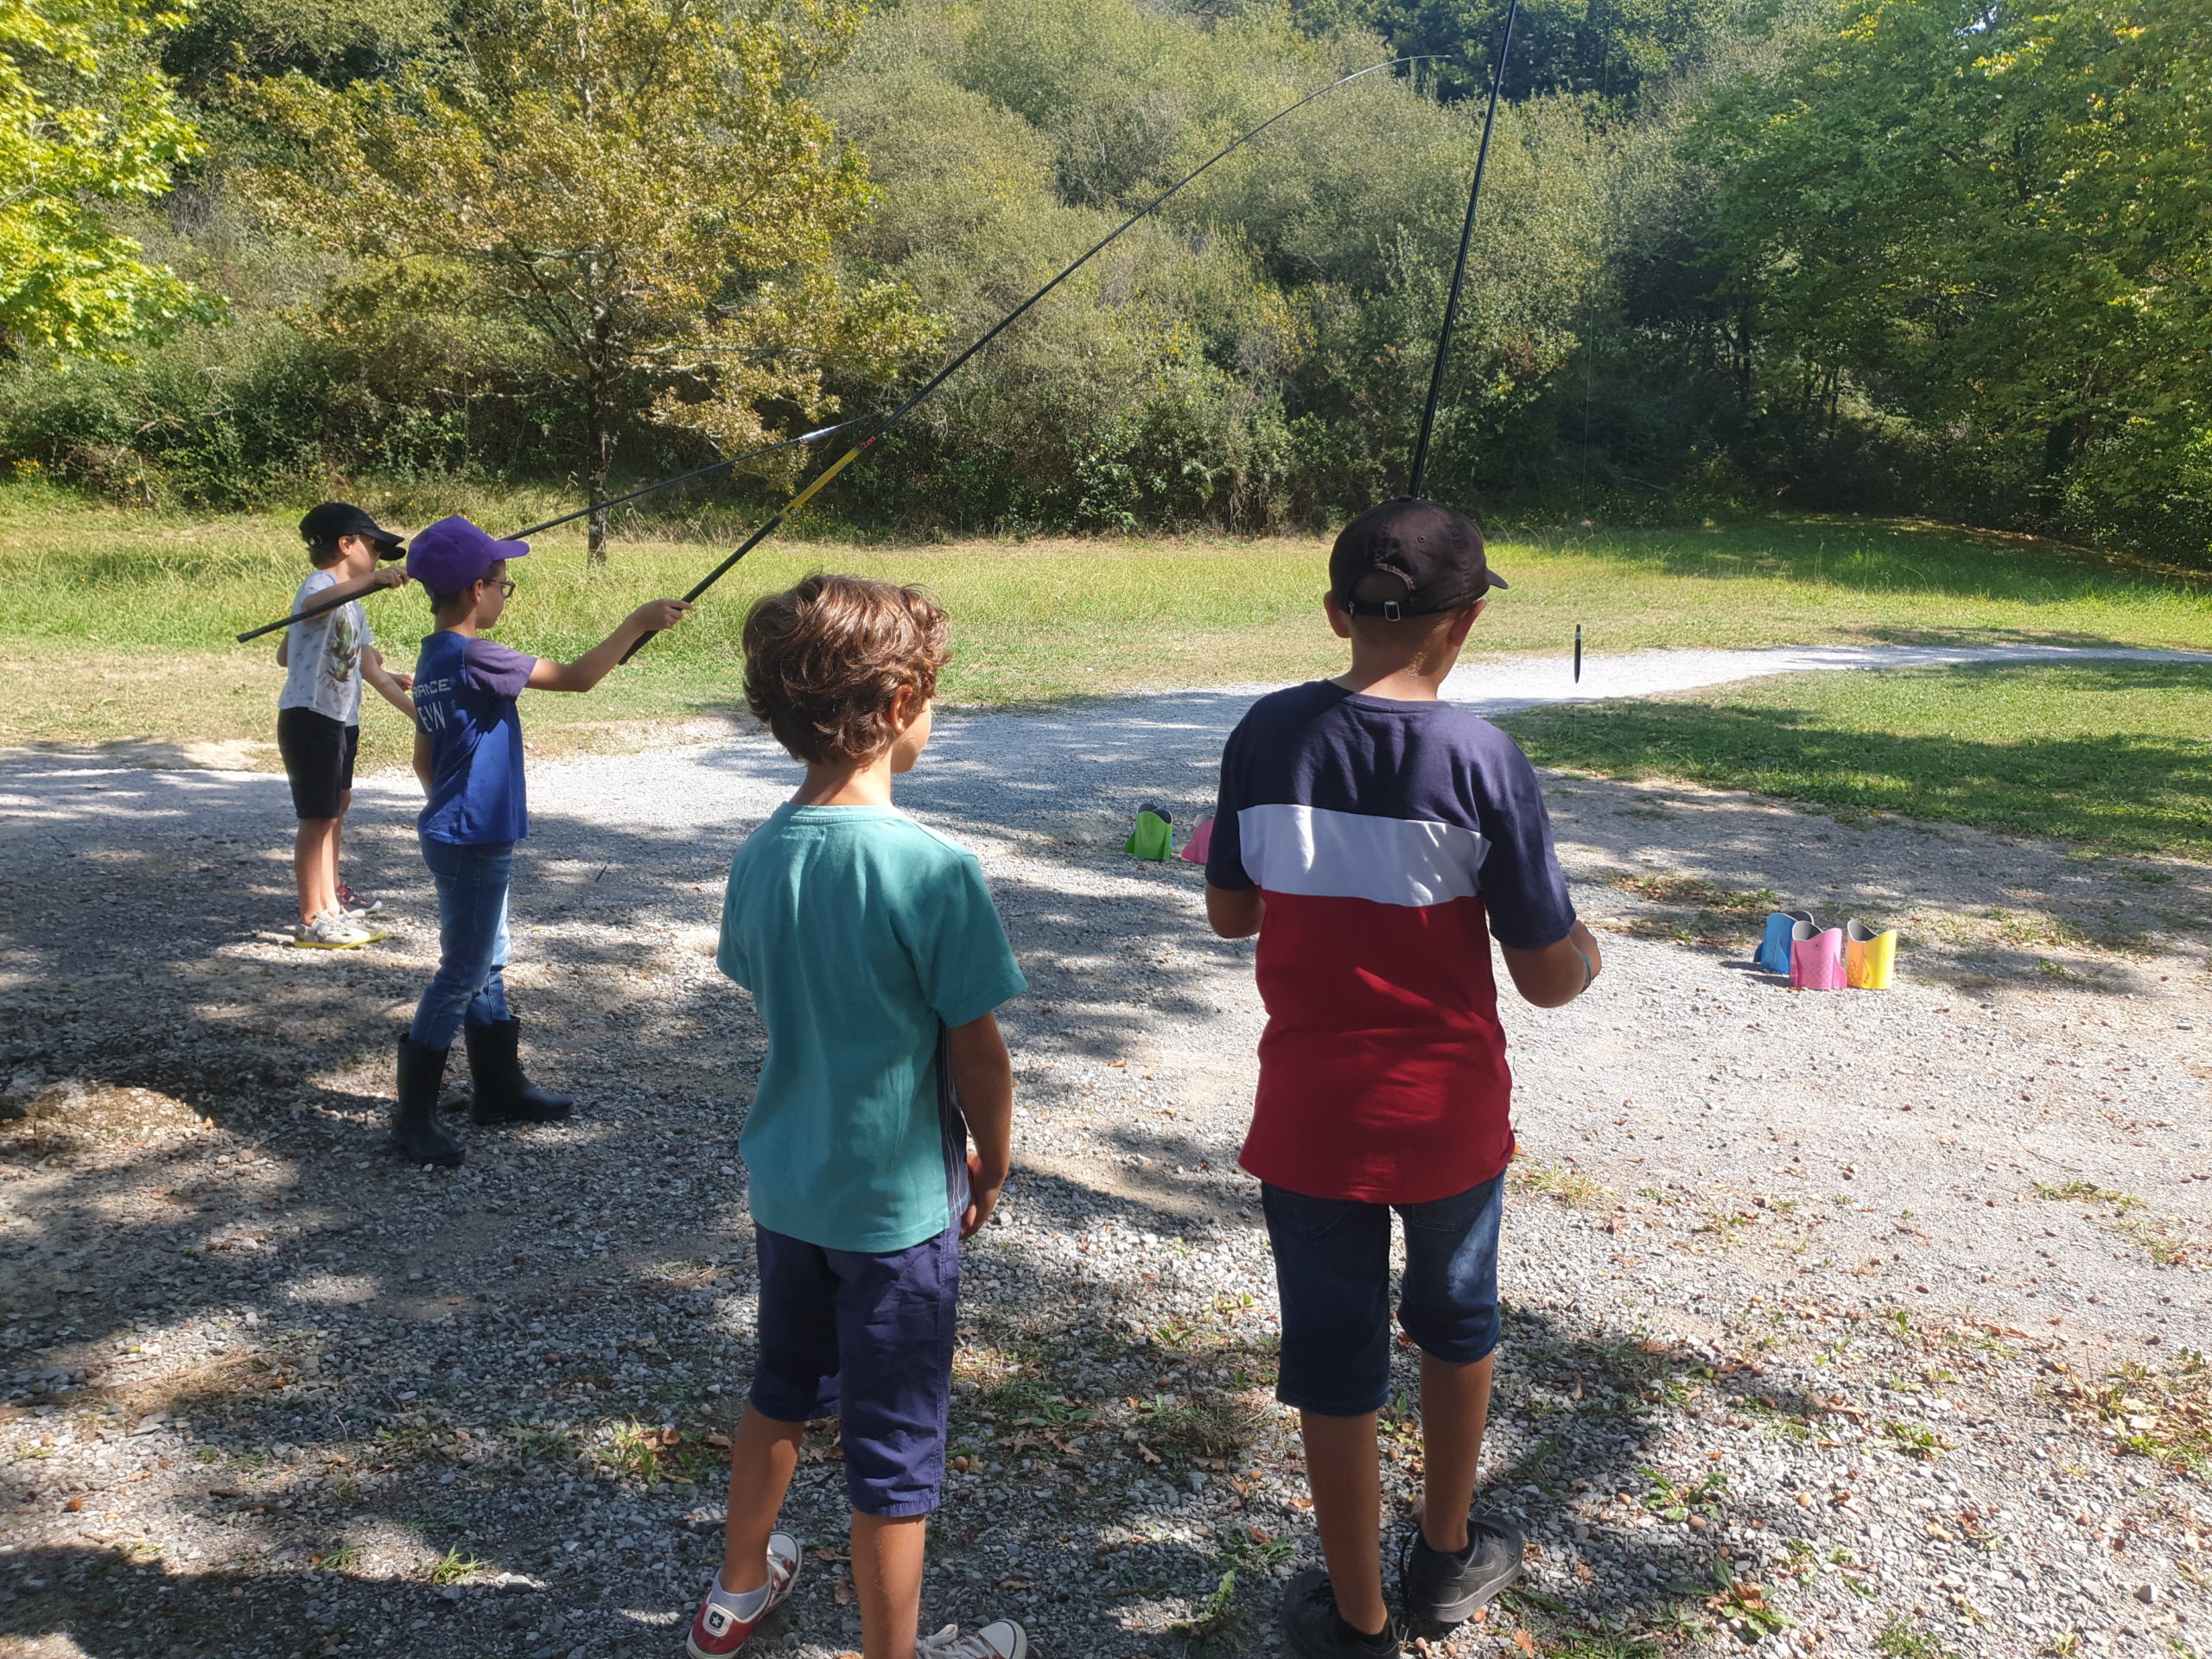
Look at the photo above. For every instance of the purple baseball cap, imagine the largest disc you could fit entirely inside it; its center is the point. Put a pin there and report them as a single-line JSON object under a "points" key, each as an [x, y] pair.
{"points": [[451, 553]]}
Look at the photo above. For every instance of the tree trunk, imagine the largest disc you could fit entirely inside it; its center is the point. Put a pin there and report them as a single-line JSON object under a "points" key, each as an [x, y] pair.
{"points": [[2059, 443], [602, 450], [599, 423], [1744, 364]]}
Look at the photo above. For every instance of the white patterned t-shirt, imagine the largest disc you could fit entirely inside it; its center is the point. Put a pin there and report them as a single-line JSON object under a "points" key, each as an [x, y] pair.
{"points": [[323, 665]]}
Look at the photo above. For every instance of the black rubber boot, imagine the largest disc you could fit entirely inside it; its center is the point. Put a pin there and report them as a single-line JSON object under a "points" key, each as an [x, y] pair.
{"points": [[503, 1093], [414, 1128]]}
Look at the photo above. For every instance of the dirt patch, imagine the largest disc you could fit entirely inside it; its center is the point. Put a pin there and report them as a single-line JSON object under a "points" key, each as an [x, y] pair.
{"points": [[76, 1116]]}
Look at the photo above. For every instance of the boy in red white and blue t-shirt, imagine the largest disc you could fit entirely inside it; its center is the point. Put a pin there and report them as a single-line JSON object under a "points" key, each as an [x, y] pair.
{"points": [[1377, 839]]}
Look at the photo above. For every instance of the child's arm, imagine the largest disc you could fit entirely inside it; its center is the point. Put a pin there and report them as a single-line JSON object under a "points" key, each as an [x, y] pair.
{"points": [[1234, 913], [392, 688], [594, 664], [982, 1080], [384, 576], [284, 649], [426, 770], [1553, 977]]}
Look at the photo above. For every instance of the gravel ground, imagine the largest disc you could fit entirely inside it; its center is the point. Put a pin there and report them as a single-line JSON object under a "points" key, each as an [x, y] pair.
{"points": [[1852, 1324]]}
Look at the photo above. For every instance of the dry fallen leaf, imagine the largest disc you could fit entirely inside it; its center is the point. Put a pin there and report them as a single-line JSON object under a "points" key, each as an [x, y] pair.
{"points": [[1523, 1641]]}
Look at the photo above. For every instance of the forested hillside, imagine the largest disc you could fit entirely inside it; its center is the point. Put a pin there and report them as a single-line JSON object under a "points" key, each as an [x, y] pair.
{"points": [[1882, 255]]}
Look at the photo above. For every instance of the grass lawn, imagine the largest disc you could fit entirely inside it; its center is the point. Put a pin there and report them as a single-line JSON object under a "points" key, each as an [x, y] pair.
{"points": [[116, 624], [2119, 753]]}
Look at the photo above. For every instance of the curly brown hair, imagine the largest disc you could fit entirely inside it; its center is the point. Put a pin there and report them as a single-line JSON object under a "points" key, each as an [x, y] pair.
{"points": [[824, 661]]}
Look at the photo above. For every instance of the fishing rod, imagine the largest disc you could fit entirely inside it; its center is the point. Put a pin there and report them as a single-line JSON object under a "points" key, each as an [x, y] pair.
{"points": [[307, 612], [1014, 315], [912, 402], [1459, 267]]}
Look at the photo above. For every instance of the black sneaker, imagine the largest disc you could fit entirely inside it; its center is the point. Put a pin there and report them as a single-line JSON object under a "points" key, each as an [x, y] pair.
{"points": [[1317, 1631], [1447, 1588]]}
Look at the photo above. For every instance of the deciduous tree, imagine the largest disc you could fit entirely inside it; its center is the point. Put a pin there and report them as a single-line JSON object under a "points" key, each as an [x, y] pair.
{"points": [[87, 120], [637, 182]]}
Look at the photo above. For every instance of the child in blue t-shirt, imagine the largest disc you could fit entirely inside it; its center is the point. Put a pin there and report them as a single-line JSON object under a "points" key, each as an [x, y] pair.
{"points": [[468, 754], [874, 959]]}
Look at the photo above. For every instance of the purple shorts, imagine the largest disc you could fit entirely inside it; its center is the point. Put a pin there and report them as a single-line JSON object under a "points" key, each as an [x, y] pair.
{"points": [[867, 1340]]}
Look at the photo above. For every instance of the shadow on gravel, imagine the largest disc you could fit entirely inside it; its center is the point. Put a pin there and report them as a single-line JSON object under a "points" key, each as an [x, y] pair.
{"points": [[1581, 1415], [107, 1608], [515, 1369]]}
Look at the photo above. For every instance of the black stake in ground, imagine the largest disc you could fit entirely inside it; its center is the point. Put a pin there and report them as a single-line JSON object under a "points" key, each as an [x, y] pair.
{"points": [[1459, 267], [1007, 321]]}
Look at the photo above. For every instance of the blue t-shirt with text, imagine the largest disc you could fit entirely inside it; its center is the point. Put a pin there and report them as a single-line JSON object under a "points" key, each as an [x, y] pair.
{"points": [[465, 692]]}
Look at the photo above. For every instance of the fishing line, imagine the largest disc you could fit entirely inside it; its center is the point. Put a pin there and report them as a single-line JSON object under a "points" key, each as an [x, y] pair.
{"points": [[944, 374], [1014, 315], [1459, 267]]}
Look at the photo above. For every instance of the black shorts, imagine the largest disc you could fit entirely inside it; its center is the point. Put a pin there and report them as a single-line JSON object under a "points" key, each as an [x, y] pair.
{"points": [[318, 754]]}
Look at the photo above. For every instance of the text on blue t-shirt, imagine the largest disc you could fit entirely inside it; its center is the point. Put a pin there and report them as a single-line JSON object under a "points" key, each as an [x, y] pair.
{"points": [[465, 692]]}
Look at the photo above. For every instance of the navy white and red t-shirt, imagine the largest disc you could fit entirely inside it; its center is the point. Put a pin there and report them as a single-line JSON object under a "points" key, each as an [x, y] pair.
{"points": [[1390, 840]]}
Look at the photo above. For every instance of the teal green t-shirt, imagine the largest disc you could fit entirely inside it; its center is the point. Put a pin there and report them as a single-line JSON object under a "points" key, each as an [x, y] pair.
{"points": [[861, 936]]}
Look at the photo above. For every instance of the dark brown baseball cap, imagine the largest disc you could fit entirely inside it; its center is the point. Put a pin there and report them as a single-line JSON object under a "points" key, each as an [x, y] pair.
{"points": [[1435, 554]]}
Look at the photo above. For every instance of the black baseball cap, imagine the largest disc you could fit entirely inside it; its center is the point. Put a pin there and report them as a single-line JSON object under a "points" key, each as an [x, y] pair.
{"points": [[1435, 553], [323, 525]]}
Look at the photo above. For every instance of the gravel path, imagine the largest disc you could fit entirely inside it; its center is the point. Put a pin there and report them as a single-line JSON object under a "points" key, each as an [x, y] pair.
{"points": [[1816, 1302], [1500, 686]]}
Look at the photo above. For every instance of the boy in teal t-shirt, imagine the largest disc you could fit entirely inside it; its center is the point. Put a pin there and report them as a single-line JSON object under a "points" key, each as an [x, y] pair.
{"points": [[876, 959]]}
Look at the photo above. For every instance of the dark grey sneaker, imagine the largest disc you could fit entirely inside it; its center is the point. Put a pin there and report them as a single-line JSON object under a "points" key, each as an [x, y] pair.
{"points": [[1316, 1630], [1448, 1588]]}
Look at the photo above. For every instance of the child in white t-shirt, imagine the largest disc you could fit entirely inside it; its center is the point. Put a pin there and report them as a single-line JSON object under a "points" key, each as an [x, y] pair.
{"points": [[325, 661]]}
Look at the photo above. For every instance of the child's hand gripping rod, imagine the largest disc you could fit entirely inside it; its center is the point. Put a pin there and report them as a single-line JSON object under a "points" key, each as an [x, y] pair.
{"points": [[317, 609], [762, 534]]}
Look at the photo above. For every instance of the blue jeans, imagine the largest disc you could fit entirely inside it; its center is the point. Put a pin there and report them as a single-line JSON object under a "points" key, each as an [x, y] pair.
{"points": [[471, 939], [1332, 1267]]}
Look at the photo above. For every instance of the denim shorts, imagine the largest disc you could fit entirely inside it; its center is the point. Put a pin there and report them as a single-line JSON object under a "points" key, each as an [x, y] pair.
{"points": [[1333, 1269], [866, 1339]]}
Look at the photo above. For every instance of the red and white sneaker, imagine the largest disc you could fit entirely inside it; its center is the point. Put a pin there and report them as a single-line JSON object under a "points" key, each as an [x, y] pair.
{"points": [[716, 1628]]}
